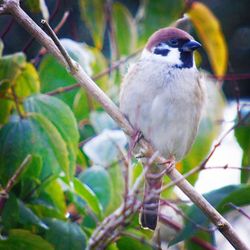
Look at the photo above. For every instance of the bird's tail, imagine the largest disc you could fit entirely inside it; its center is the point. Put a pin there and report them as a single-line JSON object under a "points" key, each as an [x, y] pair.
{"points": [[149, 213]]}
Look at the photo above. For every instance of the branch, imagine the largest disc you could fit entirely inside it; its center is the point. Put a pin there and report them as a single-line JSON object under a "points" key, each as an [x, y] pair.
{"points": [[12, 181], [13, 7], [240, 210]]}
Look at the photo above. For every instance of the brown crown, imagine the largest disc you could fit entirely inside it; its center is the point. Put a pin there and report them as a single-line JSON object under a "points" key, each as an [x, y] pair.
{"points": [[166, 34]]}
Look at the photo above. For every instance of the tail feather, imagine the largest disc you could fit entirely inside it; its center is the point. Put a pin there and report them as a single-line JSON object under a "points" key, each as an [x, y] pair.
{"points": [[149, 213]]}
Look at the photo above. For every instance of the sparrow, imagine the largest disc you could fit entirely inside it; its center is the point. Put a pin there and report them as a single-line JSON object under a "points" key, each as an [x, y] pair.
{"points": [[162, 96]]}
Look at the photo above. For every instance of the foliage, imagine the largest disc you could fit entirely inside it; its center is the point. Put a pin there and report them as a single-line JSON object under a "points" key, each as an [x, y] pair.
{"points": [[67, 189]]}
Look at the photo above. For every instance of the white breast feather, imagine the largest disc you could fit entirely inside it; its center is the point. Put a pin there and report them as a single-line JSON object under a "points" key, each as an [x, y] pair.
{"points": [[164, 103]]}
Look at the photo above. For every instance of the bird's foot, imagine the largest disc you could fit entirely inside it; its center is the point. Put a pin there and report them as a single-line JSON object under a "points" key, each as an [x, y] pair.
{"points": [[135, 138], [170, 164]]}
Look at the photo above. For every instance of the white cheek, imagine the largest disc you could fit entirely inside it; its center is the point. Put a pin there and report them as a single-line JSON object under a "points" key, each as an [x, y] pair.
{"points": [[173, 56]]}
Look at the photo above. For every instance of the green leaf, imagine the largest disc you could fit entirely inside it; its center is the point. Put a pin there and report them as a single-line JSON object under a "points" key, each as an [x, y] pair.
{"points": [[98, 65], [62, 118], [83, 191], [37, 6], [98, 180], [198, 217], [53, 75], [86, 131], [239, 197], [157, 14], [5, 109], [64, 235], [242, 134], [93, 13], [32, 135], [10, 67], [112, 246], [117, 182], [28, 218], [127, 243], [55, 192], [83, 102], [81, 107], [20, 239], [81, 161], [34, 168], [125, 29], [30, 177], [10, 214], [33, 5], [27, 82], [45, 210], [137, 170]]}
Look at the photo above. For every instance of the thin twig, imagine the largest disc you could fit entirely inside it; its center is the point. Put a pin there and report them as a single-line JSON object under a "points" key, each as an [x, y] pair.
{"points": [[247, 168], [31, 40], [53, 36], [12, 181], [239, 209], [43, 50]]}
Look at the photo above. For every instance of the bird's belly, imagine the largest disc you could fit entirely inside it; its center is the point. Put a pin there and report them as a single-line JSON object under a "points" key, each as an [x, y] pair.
{"points": [[165, 106], [172, 127]]}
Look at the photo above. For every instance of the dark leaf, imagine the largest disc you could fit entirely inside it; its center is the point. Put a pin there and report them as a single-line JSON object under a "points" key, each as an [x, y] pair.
{"points": [[53, 75], [28, 218], [10, 67], [93, 13], [19, 239], [32, 135], [62, 118], [98, 180], [64, 235], [125, 29], [83, 191]]}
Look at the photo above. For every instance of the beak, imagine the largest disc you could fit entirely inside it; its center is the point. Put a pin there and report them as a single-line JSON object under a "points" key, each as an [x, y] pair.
{"points": [[190, 46]]}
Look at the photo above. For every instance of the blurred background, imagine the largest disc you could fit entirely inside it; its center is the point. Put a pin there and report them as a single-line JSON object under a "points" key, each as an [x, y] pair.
{"points": [[105, 37]]}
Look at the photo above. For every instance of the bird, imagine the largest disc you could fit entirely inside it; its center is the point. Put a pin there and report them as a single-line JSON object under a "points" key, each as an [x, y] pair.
{"points": [[162, 95]]}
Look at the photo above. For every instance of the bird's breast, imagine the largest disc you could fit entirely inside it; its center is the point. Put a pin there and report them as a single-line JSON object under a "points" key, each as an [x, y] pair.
{"points": [[165, 104]]}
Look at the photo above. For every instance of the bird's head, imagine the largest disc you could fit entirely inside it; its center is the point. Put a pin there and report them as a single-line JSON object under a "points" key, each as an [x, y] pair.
{"points": [[172, 45]]}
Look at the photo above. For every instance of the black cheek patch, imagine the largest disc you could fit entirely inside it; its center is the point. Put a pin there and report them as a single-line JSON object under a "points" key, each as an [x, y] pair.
{"points": [[187, 59], [162, 52]]}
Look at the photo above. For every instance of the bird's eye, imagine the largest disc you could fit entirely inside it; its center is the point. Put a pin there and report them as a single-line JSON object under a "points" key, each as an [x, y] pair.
{"points": [[173, 42], [160, 44]]}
